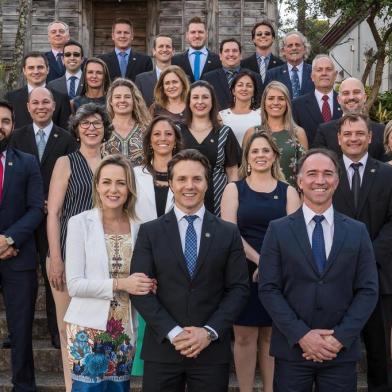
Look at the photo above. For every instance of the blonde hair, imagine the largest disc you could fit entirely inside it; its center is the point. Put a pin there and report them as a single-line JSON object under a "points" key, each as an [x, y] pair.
{"points": [[387, 133], [140, 112], [117, 160]]}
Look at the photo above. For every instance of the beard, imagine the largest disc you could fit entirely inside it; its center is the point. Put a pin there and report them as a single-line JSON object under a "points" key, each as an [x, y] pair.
{"points": [[4, 141]]}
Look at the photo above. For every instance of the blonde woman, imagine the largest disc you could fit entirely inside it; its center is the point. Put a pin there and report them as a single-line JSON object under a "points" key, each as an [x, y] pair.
{"points": [[252, 202], [130, 117], [388, 142], [277, 119]]}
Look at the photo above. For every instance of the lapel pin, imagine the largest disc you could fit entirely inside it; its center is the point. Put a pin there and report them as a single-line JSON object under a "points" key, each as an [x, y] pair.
{"points": [[339, 109], [284, 71], [209, 61], [56, 135], [372, 170], [208, 235], [134, 59], [276, 197], [10, 163], [212, 140]]}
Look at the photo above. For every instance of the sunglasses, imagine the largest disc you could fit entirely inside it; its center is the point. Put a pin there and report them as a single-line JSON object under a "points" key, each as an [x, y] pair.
{"points": [[74, 54], [266, 34]]}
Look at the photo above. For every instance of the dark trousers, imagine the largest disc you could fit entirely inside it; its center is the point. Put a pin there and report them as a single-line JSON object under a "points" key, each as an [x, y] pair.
{"points": [[187, 375], [20, 292], [327, 376]]}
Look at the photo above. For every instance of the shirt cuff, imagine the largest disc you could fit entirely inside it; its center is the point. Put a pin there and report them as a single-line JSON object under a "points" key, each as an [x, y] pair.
{"points": [[212, 329], [174, 332]]}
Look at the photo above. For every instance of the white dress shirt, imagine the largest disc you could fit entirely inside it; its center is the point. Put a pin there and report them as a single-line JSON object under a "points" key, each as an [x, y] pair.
{"points": [[46, 130], [31, 88], [300, 68], [319, 97], [158, 72], [327, 224], [350, 171], [203, 58], [68, 76]]}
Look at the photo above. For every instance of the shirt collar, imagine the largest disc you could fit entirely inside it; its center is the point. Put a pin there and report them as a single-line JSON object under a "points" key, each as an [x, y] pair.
{"points": [[77, 74], [309, 214], [46, 130], [55, 52], [299, 66], [203, 50], [236, 69], [31, 88], [347, 161], [180, 214], [258, 56], [128, 51], [319, 95]]}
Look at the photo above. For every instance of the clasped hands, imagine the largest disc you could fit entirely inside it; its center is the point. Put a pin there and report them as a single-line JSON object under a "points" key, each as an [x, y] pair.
{"points": [[6, 251], [191, 341], [319, 345]]}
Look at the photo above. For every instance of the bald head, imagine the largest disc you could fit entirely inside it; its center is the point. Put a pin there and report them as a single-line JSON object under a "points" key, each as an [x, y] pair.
{"points": [[352, 96], [41, 106]]}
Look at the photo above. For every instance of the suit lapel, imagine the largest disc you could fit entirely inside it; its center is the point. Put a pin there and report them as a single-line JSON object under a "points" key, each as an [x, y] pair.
{"points": [[306, 83], [286, 77], [52, 141], [344, 188], [115, 65], [207, 65], [314, 108], [187, 66], [31, 141], [272, 63], [8, 173], [369, 176], [224, 84], [131, 63], [337, 111]]}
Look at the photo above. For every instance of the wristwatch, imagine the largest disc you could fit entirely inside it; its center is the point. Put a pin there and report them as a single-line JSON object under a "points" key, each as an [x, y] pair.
{"points": [[211, 335], [9, 241]]}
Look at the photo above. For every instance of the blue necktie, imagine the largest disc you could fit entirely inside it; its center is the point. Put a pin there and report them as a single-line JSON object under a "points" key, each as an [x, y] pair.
{"points": [[72, 87], [295, 82], [196, 65], [41, 143], [59, 59], [318, 243], [190, 245], [123, 63]]}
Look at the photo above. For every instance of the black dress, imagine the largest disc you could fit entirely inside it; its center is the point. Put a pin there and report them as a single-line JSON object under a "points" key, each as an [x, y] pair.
{"points": [[255, 211], [222, 150]]}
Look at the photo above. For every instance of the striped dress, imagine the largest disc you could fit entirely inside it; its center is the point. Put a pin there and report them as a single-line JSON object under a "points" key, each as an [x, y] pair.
{"points": [[78, 197]]}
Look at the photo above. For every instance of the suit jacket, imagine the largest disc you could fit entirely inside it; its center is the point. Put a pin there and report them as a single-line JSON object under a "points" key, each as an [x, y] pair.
{"points": [[374, 210], [214, 297], [54, 69], [21, 207], [146, 82], [299, 298], [307, 113], [137, 64], [87, 269], [217, 78], [60, 85], [281, 74], [182, 60], [18, 99], [251, 63], [326, 136]]}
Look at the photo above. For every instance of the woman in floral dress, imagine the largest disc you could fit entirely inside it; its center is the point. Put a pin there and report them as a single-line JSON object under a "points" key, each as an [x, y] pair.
{"points": [[100, 319]]}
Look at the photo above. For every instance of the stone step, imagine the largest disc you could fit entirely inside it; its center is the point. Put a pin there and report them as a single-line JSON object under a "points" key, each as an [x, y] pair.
{"points": [[40, 304]]}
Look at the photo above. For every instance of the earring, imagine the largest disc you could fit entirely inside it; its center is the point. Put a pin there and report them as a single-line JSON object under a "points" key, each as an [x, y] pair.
{"points": [[248, 170]]}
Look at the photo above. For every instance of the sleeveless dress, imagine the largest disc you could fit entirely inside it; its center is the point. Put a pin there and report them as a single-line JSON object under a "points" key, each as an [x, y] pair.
{"points": [[78, 197], [255, 211], [102, 360]]}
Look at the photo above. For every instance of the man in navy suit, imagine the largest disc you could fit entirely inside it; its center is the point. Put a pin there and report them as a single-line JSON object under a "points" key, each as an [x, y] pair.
{"points": [[295, 73], [319, 283], [263, 37], [123, 61], [197, 60], [321, 105], [21, 211], [58, 35]]}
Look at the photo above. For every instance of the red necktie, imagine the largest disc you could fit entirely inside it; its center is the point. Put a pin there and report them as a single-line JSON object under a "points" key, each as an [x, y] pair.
{"points": [[326, 109], [1, 175]]}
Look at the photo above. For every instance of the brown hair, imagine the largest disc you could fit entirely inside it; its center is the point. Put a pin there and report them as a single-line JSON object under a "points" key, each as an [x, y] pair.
{"points": [[323, 151], [264, 22], [195, 19], [353, 118], [106, 75], [122, 21]]}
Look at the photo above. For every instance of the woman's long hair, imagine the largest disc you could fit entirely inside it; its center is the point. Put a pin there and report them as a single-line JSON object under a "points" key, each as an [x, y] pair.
{"points": [[106, 75]]}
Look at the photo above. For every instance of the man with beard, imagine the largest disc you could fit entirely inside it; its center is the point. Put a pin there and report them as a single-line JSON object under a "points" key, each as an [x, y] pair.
{"points": [[21, 211], [352, 99]]}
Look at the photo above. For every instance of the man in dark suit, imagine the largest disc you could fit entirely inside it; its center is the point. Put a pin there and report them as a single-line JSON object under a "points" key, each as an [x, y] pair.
{"points": [[58, 35], [352, 99], [71, 82], [365, 194], [221, 78], [295, 73], [46, 142], [197, 60], [162, 52], [263, 37], [318, 282], [21, 211], [320, 105], [123, 61], [201, 288], [35, 70]]}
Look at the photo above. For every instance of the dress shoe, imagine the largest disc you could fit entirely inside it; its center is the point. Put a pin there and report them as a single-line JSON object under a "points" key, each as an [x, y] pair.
{"points": [[6, 342], [56, 341]]}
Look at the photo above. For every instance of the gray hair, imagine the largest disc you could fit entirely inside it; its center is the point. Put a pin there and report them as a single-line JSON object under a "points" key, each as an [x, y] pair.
{"points": [[322, 56], [303, 39], [66, 27]]}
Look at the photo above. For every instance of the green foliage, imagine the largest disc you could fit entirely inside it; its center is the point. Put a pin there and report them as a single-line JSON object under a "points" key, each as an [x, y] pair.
{"points": [[381, 111], [348, 8]]}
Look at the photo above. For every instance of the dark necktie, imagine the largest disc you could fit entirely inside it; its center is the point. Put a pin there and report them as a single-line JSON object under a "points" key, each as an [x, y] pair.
{"points": [[72, 87], [326, 109], [261, 64], [1, 175], [59, 59], [295, 82], [230, 74], [196, 65], [318, 243], [356, 182], [123, 63], [190, 252]]}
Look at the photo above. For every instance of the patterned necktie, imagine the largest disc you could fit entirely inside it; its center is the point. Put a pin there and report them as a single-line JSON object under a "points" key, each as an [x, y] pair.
{"points": [[72, 87], [1, 175], [230, 74], [356, 182], [59, 59], [261, 63], [190, 252], [326, 109], [123, 63], [318, 243], [41, 143], [196, 65], [295, 82]]}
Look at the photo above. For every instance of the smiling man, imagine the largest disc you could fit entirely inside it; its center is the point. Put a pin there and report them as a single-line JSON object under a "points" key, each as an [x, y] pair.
{"points": [[199, 264], [318, 282]]}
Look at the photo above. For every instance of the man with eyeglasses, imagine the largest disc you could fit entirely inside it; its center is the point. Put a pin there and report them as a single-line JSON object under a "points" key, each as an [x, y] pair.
{"points": [[71, 82], [58, 35], [263, 37]]}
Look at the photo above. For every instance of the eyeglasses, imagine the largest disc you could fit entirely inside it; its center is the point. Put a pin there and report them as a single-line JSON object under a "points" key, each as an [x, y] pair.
{"points": [[265, 33], [74, 54], [85, 124]]}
